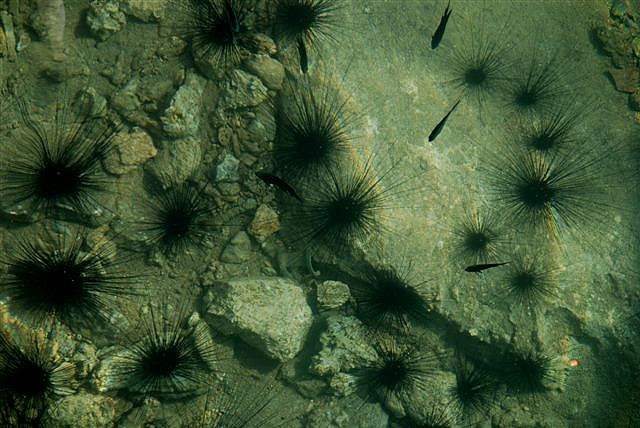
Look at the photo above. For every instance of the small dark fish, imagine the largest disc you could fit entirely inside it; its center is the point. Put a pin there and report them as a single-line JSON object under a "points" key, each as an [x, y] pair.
{"points": [[436, 131], [278, 182], [437, 36], [480, 268], [302, 51]]}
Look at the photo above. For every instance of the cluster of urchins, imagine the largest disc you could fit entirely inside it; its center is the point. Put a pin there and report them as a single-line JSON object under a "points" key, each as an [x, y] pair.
{"points": [[546, 182]]}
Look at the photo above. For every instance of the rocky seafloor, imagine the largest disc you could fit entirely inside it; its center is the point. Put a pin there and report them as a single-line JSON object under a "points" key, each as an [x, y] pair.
{"points": [[284, 343]]}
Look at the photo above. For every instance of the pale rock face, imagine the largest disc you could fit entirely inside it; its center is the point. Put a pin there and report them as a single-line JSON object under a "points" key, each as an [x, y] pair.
{"points": [[176, 161], [131, 150], [182, 117], [145, 10], [269, 313], [242, 90], [269, 70]]}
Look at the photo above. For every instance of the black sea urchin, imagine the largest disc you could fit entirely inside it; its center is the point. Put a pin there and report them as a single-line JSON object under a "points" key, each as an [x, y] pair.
{"points": [[385, 299], [305, 22], [474, 391], [552, 132], [57, 165], [63, 280], [529, 279], [167, 360], [216, 29], [341, 210], [238, 406], [531, 372], [31, 376], [477, 238], [397, 371], [479, 68], [537, 88], [564, 190], [178, 218], [313, 130], [436, 417]]}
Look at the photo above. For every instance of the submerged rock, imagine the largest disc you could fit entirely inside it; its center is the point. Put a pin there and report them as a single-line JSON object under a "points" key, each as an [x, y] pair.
{"points": [[145, 10], [269, 70], [242, 90], [269, 313], [176, 161], [265, 223], [83, 410], [131, 150], [182, 117], [227, 168], [104, 18], [344, 347], [238, 250], [332, 294]]}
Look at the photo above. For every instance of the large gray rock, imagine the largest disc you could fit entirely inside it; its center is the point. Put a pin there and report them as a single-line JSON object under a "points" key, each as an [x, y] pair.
{"points": [[269, 313]]}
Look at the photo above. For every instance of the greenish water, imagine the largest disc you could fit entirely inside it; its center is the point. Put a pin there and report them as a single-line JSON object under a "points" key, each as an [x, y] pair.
{"points": [[273, 343]]}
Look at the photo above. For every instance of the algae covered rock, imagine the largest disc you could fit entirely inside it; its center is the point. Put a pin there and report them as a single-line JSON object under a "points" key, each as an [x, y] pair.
{"points": [[104, 18], [145, 10], [268, 313], [83, 410]]}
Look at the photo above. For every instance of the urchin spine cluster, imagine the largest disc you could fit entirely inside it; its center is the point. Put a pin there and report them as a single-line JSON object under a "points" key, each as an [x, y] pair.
{"points": [[178, 218], [313, 131], [63, 281], [58, 165], [552, 193], [31, 377], [396, 372], [166, 360], [216, 29], [530, 280], [307, 23], [387, 301], [474, 391], [477, 238]]}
